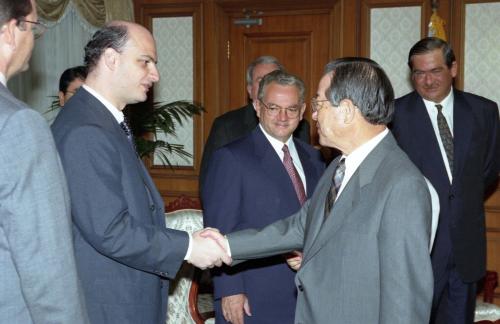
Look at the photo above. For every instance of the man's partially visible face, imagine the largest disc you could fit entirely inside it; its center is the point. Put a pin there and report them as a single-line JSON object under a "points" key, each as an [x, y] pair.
{"points": [[25, 41], [137, 71], [272, 110], [73, 86], [431, 77], [259, 72], [332, 129]]}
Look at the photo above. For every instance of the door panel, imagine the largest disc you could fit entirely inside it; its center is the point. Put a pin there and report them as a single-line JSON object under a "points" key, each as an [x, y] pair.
{"points": [[300, 42]]}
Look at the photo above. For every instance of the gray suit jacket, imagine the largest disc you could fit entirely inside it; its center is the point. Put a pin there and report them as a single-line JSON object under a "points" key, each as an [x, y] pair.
{"points": [[38, 280], [123, 250], [369, 261]]}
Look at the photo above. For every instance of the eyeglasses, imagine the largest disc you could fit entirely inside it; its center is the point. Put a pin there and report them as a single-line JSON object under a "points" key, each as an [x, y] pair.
{"points": [[274, 110], [317, 105], [37, 29]]}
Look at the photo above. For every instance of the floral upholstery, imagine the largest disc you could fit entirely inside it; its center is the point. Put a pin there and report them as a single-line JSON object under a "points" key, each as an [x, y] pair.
{"points": [[189, 220]]}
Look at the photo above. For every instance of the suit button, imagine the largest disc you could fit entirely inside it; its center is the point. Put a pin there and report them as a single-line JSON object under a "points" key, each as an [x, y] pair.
{"points": [[301, 288], [451, 197], [152, 207]]}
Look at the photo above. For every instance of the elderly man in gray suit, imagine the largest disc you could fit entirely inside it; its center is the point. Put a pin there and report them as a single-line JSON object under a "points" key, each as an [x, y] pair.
{"points": [[365, 231], [38, 280]]}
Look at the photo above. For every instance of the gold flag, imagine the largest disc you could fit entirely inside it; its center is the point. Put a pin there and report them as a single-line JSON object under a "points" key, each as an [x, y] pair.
{"points": [[436, 26]]}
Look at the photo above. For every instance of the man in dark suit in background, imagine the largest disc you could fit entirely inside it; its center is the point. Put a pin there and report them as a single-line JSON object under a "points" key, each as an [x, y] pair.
{"points": [[123, 251], [237, 123], [252, 182], [38, 276], [452, 137]]}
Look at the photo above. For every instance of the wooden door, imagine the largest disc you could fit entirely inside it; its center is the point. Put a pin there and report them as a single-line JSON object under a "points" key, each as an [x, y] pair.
{"points": [[301, 42]]}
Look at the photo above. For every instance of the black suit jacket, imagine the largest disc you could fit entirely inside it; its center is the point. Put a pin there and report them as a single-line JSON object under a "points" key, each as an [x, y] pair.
{"points": [[461, 229], [233, 125]]}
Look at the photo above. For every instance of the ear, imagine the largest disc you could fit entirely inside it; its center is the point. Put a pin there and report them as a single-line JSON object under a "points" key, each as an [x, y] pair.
{"points": [[7, 33], [249, 90], [61, 98], [257, 107], [348, 110], [302, 110], [111, 58], [453, 69]]}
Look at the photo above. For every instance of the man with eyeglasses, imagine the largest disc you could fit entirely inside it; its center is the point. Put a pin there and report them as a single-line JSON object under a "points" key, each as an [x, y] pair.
{"points": [[38, 281], [237, 123], [254, 181], [452, 137]]}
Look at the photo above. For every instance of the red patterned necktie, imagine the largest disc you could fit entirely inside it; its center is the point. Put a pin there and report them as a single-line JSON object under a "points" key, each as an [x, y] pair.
{"points": [[294, 175], [446, 136]]}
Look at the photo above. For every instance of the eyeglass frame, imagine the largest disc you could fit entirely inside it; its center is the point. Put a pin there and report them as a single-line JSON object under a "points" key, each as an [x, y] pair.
{"points": [[38, 28], [274, 111], [315, 103]]}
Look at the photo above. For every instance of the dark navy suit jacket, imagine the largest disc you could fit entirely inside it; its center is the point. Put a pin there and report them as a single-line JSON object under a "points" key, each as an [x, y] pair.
{"points": [[122, 247], [461, 230], [247, 186]]}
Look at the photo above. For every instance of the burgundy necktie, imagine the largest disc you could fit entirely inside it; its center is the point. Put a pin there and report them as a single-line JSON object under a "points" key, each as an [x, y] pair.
{"points": [[294, 175]]}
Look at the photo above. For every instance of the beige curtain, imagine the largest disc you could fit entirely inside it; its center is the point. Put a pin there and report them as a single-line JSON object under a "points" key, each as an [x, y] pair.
{"points": [[96, 12]]}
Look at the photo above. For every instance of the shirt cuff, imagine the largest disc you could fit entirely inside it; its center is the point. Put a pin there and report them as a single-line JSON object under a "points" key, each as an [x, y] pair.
{"points": [[190, 247]]}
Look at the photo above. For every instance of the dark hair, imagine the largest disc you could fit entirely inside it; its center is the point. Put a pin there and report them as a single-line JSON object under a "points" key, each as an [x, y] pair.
{"points": [[282, 78], [69, 75], [14, 9], [429, 44], [267, 59], [365, 83], [110, 36]]}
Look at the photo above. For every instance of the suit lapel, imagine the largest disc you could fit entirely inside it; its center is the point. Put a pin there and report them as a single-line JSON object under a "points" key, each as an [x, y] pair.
{"points": [[462, 121], [307, 166], [349, 199]]}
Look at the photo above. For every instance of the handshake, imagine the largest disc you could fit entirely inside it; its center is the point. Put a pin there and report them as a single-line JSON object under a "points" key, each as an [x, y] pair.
{"points": [[209, 249]]}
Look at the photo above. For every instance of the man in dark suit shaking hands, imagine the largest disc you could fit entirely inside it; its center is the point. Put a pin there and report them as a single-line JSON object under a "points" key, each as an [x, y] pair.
{"points": [[124, 253], [452, 137]]}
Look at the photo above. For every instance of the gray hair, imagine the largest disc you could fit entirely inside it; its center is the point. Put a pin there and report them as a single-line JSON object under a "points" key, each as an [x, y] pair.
{"points": [[282, 78], [267, 59]]}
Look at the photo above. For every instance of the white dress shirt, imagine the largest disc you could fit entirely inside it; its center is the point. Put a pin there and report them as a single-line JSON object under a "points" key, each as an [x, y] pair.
{"points": [[3, 79]]}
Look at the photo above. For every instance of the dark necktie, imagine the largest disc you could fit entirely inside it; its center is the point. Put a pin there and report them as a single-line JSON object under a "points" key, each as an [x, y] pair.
{"points": [[294, 175], [446, 136], [338, 175], [126, 128]]}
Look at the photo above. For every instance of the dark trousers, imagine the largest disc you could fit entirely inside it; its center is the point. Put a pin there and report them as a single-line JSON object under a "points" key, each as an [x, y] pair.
{"points": [[454, 300]]}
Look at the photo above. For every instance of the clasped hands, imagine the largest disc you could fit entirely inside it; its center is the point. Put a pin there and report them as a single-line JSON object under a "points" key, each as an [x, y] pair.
{"points": [[209, 249]]}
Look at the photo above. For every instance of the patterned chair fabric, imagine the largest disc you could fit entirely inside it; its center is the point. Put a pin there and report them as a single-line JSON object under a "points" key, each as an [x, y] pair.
{"points": [[189, 220]]}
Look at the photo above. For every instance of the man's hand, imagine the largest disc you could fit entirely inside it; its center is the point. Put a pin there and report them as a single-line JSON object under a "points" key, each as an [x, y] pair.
{"points": [[207, 250], [294, 260], [233, 308]]}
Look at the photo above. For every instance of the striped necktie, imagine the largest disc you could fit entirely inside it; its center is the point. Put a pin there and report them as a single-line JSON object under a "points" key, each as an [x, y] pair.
{"points": [[337, 178]]}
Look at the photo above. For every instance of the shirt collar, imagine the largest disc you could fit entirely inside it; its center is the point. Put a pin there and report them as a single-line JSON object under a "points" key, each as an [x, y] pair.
{"points": [[3, 79], [277, 144], [353, 160], [446, 102], [118, 114]]}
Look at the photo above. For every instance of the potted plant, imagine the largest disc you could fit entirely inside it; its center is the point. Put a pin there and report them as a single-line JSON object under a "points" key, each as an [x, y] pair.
{"points": [[147, 120]]}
